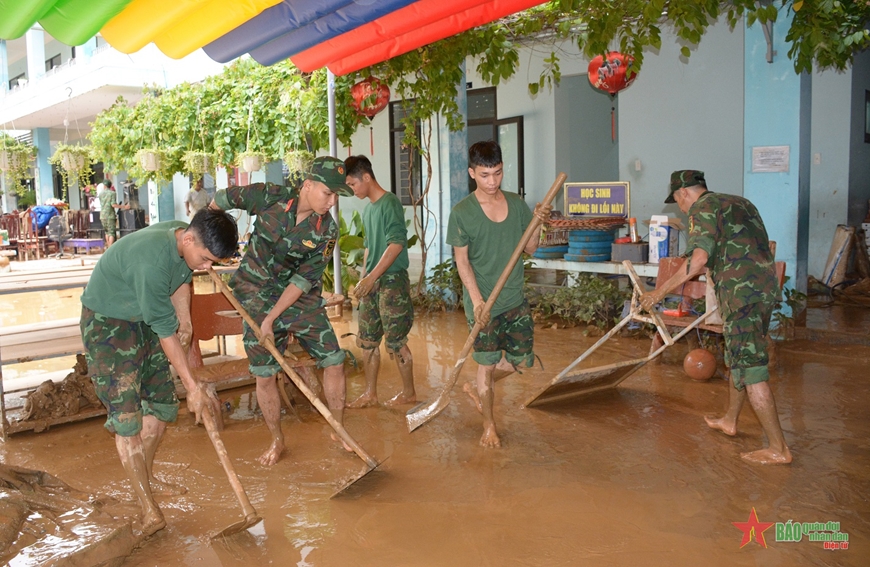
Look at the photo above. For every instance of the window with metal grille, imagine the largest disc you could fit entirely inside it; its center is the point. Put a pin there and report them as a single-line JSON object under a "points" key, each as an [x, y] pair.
{"points": [[406, 164]]}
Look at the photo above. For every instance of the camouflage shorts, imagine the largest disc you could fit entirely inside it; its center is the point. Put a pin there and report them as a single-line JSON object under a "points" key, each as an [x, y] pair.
{"points": [[387, 310], [511, 332], [129, 370], [306, 320], [109, 225], [745, 333]]}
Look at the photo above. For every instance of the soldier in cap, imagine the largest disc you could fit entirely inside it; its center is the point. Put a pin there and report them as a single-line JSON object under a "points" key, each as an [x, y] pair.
{"points": [[279, 282], [727, 235]]}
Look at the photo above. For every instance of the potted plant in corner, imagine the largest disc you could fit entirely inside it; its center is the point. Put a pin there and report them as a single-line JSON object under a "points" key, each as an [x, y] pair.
{"points": [[73, 163]]}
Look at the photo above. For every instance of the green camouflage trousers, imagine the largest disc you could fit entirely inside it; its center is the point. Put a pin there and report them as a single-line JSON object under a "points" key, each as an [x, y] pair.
{"points": [[129, 370], [387, 310], [745, 333], [306, 320], [511, 332]]}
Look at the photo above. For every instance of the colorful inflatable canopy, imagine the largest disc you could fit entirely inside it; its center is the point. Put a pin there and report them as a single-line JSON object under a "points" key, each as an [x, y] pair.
{"points": [[344, 35]]}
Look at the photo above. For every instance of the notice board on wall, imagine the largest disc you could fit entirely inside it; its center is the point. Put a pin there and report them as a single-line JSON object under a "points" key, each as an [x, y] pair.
{"points": [[605, 199]]}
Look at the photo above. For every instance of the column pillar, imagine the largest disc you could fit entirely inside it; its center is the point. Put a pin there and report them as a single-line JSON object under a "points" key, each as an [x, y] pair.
{"points": [[34, 41], [777, 104], [43, 179], [4, 68]]}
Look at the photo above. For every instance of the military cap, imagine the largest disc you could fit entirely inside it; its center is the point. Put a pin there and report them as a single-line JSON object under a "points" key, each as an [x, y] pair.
{"points": [[331, 172], [684, 178]]}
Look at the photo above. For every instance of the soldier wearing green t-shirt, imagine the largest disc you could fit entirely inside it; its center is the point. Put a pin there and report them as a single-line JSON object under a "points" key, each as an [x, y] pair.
{"points": [[384, 290], [484, 229], [727, 235], [279, 282], [136, 321]]}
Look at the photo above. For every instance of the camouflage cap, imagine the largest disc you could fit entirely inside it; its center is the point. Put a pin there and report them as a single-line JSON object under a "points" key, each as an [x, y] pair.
{"points": [[685, 178], [331, 172]]}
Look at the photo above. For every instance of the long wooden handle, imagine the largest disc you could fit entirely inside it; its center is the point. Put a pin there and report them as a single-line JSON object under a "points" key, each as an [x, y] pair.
{"points": [[297, 380], [221, 450]]}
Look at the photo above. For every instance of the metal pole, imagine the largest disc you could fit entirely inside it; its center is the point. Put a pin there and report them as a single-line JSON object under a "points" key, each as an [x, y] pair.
{"points": [[333, 150]]}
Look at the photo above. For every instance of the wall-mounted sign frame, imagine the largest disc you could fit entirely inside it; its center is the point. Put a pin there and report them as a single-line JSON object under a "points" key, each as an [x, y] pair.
{"points": [[605, 199]]}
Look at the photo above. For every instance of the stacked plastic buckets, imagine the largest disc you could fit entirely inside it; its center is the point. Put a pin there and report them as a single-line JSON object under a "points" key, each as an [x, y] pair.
{"points": [[589, 245]]}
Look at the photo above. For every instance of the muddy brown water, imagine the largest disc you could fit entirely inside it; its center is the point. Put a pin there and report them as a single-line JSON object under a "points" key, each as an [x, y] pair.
{"points": [[627, 477]]}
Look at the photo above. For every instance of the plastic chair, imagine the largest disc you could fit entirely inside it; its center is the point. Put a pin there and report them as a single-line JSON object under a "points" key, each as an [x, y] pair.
{"points": [[58, 231]]}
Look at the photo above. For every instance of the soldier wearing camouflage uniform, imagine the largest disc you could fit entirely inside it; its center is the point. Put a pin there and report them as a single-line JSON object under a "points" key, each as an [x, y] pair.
{"points": [[727, 235], [136, 321], [279, 282], [484, 230], [108, 203], [384, 290]]}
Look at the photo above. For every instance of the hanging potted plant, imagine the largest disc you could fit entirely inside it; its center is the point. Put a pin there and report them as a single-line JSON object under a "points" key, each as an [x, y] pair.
{"points": [[298, 161], [251, 161], [149, 159], [198, 163], [73, 163], [15, 158]]}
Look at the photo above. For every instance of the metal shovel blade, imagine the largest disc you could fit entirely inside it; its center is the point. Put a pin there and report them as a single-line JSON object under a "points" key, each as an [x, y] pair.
{"points": [[421, 413], [586, 381], [344, 486], [238, 527]]}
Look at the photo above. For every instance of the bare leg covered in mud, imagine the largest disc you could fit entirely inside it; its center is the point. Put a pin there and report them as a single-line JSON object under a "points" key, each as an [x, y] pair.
{"points": [[485, 395], [131, 450], [371, 365], [776, 453], [405, 362], [762, 402], [335, 389], [501, 370], [152, 433], [270, 404]]}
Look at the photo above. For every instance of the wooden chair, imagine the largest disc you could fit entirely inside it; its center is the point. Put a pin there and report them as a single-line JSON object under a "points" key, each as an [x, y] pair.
{"points": [[29, 244]]}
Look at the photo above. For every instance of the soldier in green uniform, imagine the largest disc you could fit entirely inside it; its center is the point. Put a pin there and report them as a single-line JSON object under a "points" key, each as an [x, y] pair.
{"points": [[279, 282], [136, 321], [484, 229], [727, 235], [384, 289], [108, 203]]}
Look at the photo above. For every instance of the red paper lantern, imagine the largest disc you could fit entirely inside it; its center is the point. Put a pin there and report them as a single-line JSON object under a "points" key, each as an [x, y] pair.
{"points": [[370, 96], [610, 73]]}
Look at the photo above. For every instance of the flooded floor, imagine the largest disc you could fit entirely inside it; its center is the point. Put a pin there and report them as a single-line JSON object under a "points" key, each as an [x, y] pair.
{"points": [[627, 477]]}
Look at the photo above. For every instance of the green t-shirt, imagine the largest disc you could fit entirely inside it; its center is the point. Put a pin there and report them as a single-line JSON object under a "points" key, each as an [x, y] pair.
{"points": [[732, 233], [384, 221], [490, 245], [135, 278]]}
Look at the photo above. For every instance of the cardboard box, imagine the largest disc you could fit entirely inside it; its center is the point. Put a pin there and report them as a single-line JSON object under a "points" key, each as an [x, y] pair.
{"points": [[635, 252], [664, 237]]}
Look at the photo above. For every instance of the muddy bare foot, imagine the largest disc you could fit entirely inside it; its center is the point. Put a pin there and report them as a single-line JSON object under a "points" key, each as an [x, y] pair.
{"points": [[725, 426], [161, 488], [767, 457], [364, 401], [471, 390], [400, 399], [272, 454], [346, 447], [490, 438], [152, 523]]}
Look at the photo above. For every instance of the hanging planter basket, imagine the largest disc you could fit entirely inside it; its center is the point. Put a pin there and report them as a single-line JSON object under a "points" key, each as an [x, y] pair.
{"points": [[198, 163], [298, 161], [72, 161], [149, 160], [251, 164], [13, 159]]}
